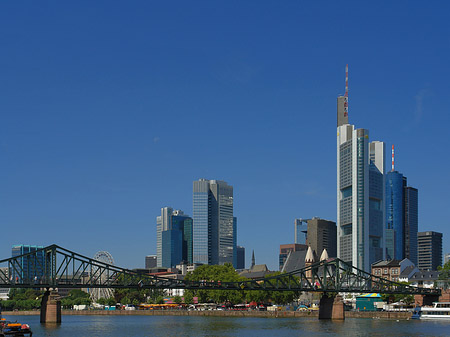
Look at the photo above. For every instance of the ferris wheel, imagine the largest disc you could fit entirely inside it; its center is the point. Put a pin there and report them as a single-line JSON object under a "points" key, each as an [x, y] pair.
{"points": [[101, 278]]}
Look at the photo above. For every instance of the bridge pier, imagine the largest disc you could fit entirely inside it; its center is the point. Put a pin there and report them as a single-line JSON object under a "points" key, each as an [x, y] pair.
{"points": [[51, 307], [331, 307]]}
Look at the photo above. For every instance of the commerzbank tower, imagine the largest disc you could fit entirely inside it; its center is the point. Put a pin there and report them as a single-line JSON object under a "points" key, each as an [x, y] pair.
{"points": [[360, 191]]}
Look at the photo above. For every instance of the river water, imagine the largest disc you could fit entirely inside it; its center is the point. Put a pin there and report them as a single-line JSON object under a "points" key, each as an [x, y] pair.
{"points": [[164, 326]]}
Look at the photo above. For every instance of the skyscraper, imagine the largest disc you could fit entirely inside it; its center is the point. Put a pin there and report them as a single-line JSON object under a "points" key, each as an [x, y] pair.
{"points": [[411, 223], [401, 216], [301, 230], [322, 235], [214, 240], [173, 238], [429, 250], [27, 268], [360, 192]]}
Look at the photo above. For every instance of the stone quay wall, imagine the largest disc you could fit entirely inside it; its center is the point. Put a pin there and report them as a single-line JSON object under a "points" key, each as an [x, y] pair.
{"points": [[216, 313]]}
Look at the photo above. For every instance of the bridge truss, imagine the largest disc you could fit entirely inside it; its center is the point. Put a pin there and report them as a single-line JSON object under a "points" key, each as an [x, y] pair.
{"points": [[57, 267]]}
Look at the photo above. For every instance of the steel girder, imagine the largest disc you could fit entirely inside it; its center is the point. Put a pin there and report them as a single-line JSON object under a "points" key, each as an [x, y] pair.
{"points": [[57, 267]]}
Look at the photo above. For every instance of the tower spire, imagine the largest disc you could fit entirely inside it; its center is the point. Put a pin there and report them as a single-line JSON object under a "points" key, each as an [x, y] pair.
{"points": [[393, 158], [346, 92]]}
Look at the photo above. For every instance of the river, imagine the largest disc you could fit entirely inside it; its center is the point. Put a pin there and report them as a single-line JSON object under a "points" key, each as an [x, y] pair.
{"points": [[164, 326]]}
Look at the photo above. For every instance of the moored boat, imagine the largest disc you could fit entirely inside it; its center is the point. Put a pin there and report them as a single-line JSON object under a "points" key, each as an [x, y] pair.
{"points": [[8, 328], [439, 310]]}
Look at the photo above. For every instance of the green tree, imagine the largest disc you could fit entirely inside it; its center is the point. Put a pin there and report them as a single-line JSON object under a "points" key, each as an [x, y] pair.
{"points": [[444, 271], [177, 299]]}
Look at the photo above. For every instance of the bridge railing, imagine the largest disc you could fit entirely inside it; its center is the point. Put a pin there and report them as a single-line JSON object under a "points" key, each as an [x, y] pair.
{"points": [[56, 267]]}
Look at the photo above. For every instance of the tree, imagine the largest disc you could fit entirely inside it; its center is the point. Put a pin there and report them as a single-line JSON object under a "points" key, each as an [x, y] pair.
{"points": [[177, 299], [444, 271]]}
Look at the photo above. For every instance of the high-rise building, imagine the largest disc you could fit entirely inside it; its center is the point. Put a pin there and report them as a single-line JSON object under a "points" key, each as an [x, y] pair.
{"points": [[401, 216], [28, 268], [322, 235], [214, 240], [429, 250], [395, 183], [301, 230], [150, 261], [240, 252], [411, 223], [360, 192], [174, 238]]}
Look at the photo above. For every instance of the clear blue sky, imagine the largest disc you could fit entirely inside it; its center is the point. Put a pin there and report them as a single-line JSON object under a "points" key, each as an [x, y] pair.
{"points": [[109, 110]]}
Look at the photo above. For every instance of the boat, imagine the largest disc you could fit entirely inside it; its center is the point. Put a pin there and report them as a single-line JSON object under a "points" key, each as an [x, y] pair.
{"points": [[8, 328], [439, 310]]}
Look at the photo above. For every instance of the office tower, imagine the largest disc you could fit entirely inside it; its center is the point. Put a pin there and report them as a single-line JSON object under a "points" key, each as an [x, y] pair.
{"points": [[150, 261], [240, 252], [301, 230], [429, 250], [360, 192], [411, 223], [28, 268], [213, 227], [395, 183], [401, 216], [235, 257], [174, 238], [322, 235]]}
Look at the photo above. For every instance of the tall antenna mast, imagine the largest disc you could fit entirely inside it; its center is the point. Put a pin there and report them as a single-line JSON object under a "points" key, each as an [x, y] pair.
{"points": [[346, 92], [392, 157]]}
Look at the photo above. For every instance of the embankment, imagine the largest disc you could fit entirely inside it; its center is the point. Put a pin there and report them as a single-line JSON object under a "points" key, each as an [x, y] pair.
{"points": [[268, 314]]}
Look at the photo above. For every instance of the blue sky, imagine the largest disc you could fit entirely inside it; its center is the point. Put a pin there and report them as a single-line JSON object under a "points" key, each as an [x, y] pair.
{"points": [[109, 110]]}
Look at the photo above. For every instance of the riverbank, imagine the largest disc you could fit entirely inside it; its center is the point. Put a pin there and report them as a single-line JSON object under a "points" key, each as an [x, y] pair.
{"points": [[217, 313]]}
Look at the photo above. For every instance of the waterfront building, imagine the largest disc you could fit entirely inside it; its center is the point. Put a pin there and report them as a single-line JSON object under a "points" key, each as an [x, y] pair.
{"points": [[286, 249], [429, 250], [150, 261], [29, 267], [214, 239], [240, 253], [322, 235], [360, 193], [424, 279], [174, 238], [391, 269], [301, 230]]}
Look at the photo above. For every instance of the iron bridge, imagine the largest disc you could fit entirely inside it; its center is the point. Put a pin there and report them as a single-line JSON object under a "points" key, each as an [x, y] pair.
{"points": [[57, 267]]}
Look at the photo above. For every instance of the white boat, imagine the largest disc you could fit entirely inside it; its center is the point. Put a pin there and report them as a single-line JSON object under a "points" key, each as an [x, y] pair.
{"points": [[439, 310]]}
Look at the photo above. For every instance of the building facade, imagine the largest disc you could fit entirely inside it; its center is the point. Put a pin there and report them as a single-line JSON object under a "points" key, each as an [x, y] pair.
{"points": [[429, 250], [28, 268], [395, 184], [214, 227], [411, 223], [150, 262], [360, 193], [174, 238], [322, 235], [240, 253], [285, 250], [301, 230]]}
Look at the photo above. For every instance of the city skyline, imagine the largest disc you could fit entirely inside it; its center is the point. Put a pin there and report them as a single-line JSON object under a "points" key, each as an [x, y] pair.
{"points": [[110, 112]]}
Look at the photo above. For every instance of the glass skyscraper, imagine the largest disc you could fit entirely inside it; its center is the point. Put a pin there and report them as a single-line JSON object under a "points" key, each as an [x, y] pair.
{"points": [[401, 218], [214, 238], [174, 238], [360, 193], [394, 214], [29, 268]]}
